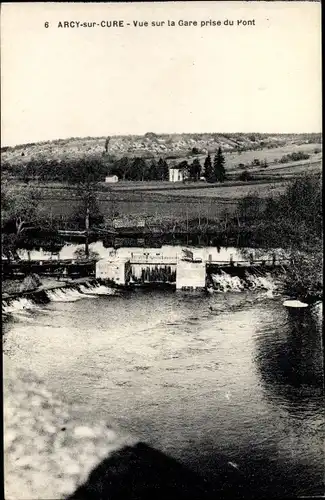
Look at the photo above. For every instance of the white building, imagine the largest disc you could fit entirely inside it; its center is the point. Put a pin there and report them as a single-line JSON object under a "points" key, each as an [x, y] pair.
{"points": [[111, 178], [176, 174]]}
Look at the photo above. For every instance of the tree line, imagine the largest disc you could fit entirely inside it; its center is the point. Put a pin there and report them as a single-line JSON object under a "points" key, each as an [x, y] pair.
{"points": [[126, 168]]}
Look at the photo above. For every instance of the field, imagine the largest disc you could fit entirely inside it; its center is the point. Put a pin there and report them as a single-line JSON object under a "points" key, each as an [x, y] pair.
{"points": [[233, 192], [158, 200], [291, 168], [167, 204], [153, 209], [272, 156]]}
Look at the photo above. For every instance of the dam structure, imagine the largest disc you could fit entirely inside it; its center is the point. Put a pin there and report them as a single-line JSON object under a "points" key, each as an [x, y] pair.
{"points": [[176, 268], [182, 271]]}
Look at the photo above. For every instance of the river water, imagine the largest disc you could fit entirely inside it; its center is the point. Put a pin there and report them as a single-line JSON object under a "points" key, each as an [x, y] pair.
{"points": [[236, 393]]}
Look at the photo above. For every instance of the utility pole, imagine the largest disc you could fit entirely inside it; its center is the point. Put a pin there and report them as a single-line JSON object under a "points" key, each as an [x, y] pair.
{"points": [[186, 224], [87, 233]]}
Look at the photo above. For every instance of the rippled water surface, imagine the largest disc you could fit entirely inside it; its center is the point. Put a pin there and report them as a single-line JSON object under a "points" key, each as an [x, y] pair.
{"points": [[242, 383]]}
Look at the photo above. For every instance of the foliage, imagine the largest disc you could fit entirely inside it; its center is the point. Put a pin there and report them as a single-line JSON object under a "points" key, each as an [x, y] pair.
{"points": [[219, 166], [185, 168], [107, 141], [250, 207], [80, 254], [292, 221], [245, 176], [295, 156], [86, 173], [208, 170], [304, 277], [88, 206], [138, 169], [20, 210], [163, 170], [195, 170], [256, 162]]}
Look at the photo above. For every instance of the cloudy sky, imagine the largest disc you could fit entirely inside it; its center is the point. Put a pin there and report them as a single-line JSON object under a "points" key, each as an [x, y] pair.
{"points": [[65, 82]]}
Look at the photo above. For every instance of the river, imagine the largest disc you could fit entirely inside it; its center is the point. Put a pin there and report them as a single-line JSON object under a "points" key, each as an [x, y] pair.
{"points": [[236, 393]]}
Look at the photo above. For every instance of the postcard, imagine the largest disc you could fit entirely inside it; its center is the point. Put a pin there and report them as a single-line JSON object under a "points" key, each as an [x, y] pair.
{"points": [[162, 258]]}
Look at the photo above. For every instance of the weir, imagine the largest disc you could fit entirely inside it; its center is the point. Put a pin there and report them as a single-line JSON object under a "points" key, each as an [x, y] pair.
{"points": [[61, 292], [147, 268], [184, 272]]}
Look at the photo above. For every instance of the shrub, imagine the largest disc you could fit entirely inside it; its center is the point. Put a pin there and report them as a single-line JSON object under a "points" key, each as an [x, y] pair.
{"points": [[80, 254], [245, 176], [304, 277]]}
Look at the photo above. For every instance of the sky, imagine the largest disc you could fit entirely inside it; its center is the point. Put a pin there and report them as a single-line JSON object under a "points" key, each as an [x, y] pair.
{"points": [[78, 82]]}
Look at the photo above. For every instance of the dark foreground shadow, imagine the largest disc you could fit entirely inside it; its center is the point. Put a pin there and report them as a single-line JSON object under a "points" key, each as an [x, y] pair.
{"points": [[140, 472]]}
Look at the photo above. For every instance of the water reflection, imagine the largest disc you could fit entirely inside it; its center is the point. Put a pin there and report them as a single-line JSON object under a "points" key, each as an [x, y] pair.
{"points": [[290, 356], [242, 384]]}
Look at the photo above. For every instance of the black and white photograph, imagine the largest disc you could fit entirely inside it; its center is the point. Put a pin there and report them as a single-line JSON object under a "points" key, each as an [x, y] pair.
{"points": [[162, 250]]}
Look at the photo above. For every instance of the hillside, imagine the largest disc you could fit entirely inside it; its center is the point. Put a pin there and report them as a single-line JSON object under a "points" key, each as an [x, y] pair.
{"points": [[173, 146]]}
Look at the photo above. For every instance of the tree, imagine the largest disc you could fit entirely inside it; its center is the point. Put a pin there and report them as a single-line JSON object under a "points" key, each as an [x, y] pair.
{"points": [[195, 170], [185, 168], [163, 170], [153, 171], [304, 277], [245, 176], [250, 207], [121, 168], [20, 210], [301, 204], [138, 169], [86, 174], [219, 166], [107, 141], [208, 170]]}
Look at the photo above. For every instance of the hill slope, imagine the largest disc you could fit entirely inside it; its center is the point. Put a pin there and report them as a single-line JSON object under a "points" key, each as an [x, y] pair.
{"points": [[171, 146]]}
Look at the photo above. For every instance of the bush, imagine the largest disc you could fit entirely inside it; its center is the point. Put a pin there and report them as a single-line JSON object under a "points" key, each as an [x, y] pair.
{"points": [[250, 207], [304, 278], [296, 156], [80, 254], [245, 176]]}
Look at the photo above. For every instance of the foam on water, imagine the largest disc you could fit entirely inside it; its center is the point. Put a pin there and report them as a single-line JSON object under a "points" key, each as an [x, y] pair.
{"points": [[18, 305], [66, 294], [223, 282], [97, 290]]}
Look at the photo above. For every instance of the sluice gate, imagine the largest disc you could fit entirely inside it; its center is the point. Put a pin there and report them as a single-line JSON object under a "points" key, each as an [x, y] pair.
{"points": [[184, 273]]}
